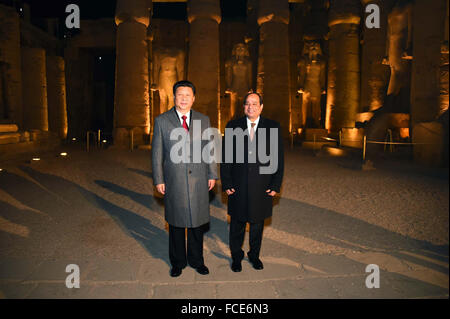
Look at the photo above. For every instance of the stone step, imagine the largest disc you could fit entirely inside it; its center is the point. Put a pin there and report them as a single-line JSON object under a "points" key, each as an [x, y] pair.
{"points": [[8, 128], [14, 150], [310, 133], [333, 151], [145, 147], [9, 138], [317, 145]]}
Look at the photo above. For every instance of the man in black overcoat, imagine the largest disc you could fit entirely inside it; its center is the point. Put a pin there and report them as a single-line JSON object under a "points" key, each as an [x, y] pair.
{"points": [[251, 173]]}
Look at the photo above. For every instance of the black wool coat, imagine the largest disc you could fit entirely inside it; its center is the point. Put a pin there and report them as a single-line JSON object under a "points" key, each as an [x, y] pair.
{"points": [[250, 202]]}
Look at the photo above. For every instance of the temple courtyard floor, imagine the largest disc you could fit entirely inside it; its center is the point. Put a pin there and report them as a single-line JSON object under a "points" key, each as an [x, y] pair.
{"points": [[98, 210]]}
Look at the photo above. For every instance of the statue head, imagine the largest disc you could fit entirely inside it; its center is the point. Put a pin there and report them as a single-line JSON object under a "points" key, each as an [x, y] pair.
{"points": [[240, 50], [312, 50]]}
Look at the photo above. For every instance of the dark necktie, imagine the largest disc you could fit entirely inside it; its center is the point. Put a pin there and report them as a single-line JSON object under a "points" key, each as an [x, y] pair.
{"points": [[184, 117]]}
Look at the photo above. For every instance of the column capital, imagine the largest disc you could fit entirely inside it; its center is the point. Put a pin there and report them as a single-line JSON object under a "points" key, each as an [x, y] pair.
{"points": [[204, 9], [344, 11], [273, 11], [133, 10]]}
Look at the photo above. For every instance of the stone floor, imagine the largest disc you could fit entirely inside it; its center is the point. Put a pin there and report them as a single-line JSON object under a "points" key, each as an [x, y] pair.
{"points": [[98, 210]]}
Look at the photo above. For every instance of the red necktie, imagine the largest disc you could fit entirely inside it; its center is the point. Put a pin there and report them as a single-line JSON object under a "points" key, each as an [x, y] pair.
{"points": [[184, 123]]}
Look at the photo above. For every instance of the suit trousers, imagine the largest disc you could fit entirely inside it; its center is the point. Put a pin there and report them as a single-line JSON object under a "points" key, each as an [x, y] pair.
{"points": [[237, 233], [177, 246]]}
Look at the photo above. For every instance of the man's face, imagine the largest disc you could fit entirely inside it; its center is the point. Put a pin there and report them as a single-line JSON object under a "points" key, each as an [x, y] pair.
{"points": [[184, 99], [252, 108]]}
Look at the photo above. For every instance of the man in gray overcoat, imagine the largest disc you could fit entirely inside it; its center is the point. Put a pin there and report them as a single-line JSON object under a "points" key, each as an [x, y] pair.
{"points": [[184, 181]]}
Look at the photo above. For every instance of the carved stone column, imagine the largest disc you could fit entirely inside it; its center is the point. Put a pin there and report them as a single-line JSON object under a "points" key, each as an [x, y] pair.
{"points": [[11, 61], [343, 66], [203, 67], [56, 91], [131, 103], [34, 84], [273, 19], [428, 32], [374, 75]]}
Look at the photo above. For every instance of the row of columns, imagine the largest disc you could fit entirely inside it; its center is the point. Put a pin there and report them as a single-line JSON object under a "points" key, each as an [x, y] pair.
{"points": [[347, 94], [204, 16], [36, 87], [44, 85]]}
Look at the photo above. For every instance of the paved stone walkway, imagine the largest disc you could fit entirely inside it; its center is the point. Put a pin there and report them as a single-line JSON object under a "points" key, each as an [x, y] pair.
{"points": [[98, 210]]}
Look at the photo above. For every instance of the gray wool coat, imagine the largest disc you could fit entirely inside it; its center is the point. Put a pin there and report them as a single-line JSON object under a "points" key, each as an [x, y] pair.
{"points": [[186, 198]]}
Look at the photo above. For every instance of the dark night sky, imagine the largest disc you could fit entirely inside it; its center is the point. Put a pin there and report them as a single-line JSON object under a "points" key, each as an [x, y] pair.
{"points": [[93, 9]]}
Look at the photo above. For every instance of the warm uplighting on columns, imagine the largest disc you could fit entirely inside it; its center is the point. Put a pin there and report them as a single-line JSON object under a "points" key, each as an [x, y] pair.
{"points": [[56, 84], [204, 17], [343, 93], [131, 101]]}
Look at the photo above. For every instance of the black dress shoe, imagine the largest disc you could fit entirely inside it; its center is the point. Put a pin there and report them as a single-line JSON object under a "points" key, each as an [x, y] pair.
{"points": [[175, 271], [236, 266], [202, 270], [256, 263]]}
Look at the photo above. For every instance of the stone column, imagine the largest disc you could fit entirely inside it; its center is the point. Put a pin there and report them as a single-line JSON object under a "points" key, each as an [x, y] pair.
{"points": [[10, 56], [273, 19], [131, 103], [203, 67], [428, 131], [374, 75], [343, 66], [296, 33], [428, 32], [150, 79], [444, 73], [56, 91], [34, 84]]}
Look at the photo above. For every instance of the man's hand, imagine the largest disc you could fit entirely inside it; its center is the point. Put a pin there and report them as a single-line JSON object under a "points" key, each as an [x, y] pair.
{"points": [[271, 193], [230, 191], [161, 188], [211, 183]]}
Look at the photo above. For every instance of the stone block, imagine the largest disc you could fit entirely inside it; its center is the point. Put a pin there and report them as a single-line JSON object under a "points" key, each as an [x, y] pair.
{"points": [[9, 138], [318, 133], [352, 137], [429, 137], [8, 128]]}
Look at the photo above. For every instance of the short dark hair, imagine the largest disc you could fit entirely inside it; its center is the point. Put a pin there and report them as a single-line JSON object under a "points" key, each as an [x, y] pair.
{"points": [[250, 93], [183, 83]]}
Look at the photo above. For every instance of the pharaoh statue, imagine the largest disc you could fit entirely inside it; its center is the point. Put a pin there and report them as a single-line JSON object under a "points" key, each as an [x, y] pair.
{"points": [[398, 52], [311, 83], [168, 68], [238, 76]]}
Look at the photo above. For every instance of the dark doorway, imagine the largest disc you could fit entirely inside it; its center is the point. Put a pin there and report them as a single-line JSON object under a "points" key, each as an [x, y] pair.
{"points": [[103, 99]]}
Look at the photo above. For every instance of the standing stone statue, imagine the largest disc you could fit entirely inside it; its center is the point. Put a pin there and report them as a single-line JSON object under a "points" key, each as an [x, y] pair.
{"points": [[311, 81], [398, 52], [168, 68], [238, 76]]}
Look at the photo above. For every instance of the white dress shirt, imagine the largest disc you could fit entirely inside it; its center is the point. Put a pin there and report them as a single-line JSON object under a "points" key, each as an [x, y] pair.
{"points": [[249, 125], [188, 117]]}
